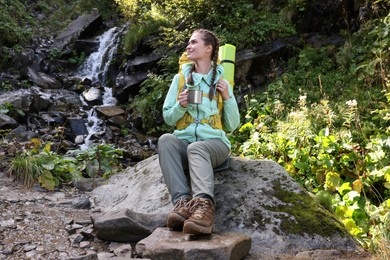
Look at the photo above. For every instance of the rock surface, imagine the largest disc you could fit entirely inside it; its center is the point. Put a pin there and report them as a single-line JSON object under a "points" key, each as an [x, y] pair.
{"points": [[253, 197], [166, 244]]}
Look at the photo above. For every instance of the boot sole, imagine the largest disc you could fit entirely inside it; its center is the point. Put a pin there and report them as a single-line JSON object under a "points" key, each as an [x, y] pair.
{"points": [[194, 229], [175, 221]]}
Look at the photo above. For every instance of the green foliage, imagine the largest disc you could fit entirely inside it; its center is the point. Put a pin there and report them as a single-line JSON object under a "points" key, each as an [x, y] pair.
{"points": [[36, 163], [6, 108], [101, 160], [13, 19], [137, 32], [107, 8], [152, 94], [335, 140], [77, 59], [243, 23], [331, 163]]}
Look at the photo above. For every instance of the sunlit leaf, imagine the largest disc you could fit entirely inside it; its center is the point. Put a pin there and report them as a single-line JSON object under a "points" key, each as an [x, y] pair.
{"points": [[351, 197], [332, 181], [47, 148], [357, 185], [46, 180], [344, 188], [349, 224], [49, 165]]}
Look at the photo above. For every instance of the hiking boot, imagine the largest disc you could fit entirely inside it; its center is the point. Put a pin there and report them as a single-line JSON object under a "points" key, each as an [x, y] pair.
{"points": [[179, 214], [201, 220]]}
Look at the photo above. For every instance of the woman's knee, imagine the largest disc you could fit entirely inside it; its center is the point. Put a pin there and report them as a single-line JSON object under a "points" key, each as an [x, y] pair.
{"points": [[169, 142], [165, 140], [197, 148]]}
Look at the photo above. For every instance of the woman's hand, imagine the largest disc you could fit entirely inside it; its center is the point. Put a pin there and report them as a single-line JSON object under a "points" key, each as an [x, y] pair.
{"points": [[223, 88], [183, 98]]}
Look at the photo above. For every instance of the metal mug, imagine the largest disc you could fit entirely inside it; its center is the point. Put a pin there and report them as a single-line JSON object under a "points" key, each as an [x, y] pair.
{"points": [[195, 96]]}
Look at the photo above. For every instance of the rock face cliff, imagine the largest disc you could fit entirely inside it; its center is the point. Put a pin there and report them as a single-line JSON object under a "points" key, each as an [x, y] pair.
{"points": [[253, 197]]}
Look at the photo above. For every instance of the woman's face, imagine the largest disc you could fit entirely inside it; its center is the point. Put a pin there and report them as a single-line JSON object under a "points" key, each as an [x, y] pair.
{"points": [[196, 48]]}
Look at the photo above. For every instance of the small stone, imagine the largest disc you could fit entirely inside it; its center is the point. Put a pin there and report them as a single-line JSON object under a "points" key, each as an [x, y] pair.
{"points": [[8, 250], [81, 203], [76, 239], [83, 222], [28, 248], [31, 254], [40, 249], [87, 232], [8, 223], [85, 244], [114, 245], [105, 255], [79, 139], [124, 250]]}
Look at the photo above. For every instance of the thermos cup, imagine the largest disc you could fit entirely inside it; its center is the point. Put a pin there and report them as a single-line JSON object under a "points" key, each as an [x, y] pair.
{"points": [[195, 96]]}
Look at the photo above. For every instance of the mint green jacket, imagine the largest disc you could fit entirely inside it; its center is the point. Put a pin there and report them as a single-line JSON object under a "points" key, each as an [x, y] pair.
{"points": [[173, 111]]}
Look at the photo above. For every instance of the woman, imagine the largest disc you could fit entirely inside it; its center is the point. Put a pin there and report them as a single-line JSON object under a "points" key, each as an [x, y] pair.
{"points": [[199, 143]]}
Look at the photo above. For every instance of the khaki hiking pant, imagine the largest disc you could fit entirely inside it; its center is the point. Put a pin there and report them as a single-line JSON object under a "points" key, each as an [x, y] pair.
{"points": [[188, 168]]}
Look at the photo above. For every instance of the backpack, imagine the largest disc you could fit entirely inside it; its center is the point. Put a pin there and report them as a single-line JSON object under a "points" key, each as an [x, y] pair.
{"points": [[226, 57]]}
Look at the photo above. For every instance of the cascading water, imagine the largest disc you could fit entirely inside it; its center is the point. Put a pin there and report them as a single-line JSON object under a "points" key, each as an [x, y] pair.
{"points": [[95, 68]]}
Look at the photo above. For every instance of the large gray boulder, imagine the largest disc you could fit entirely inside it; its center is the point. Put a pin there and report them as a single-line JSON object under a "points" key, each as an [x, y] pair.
{"points": [[79, 28], [253, 197]]}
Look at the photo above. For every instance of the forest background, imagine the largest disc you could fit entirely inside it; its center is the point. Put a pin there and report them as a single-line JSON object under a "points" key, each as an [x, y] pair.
{"points": [[325, 119]]}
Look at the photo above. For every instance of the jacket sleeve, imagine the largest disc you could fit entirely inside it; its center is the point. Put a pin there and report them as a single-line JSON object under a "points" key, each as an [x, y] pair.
{"points": [[231, 115], [172, 111]]}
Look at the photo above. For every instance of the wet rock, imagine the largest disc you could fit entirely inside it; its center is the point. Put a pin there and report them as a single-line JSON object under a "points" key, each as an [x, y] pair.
{"points": [[93, 96], [7, 122], [21, 134], [82, 26], [163, 243], [127, 85], [78, 126], [43, 80], [109, 111], [79, 139]]}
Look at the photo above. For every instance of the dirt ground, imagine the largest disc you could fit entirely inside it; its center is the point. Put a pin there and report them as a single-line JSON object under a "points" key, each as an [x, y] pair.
{"points": [[43, 225]]}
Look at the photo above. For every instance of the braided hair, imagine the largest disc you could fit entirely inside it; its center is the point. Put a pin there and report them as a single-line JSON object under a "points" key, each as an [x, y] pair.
{"points": [[210, 39]]}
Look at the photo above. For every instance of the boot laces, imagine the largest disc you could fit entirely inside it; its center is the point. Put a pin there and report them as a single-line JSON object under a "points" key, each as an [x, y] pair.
{"points": [[182, 203], [199, 208]]}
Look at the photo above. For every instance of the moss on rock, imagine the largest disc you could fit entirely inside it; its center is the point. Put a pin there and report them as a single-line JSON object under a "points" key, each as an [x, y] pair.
{"points": [[304, 215]]}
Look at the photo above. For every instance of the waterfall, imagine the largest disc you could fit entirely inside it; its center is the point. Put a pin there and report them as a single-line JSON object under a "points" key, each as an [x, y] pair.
{"points": [[95, 68]]}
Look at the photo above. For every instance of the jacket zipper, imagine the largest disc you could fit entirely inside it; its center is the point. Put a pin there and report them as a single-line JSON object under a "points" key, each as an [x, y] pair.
{"points": [[197, 121]]}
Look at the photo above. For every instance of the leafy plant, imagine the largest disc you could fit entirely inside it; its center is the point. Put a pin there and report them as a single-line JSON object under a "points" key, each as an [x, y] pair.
{"points": [[152, 94], [6, 108], [335, 141], [179, 18], [38, 164], [100, 160]]}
